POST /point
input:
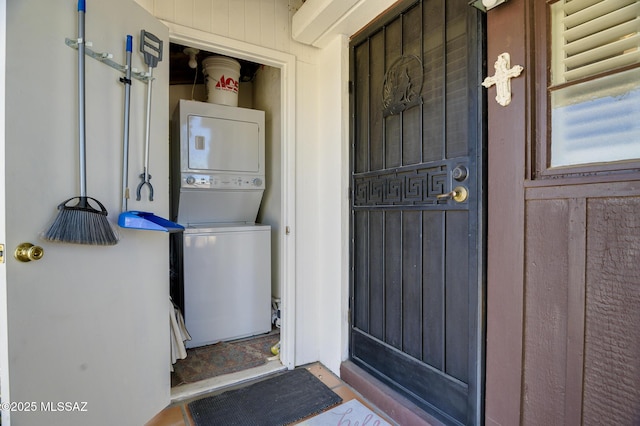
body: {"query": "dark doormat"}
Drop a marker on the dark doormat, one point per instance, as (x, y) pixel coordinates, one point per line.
(280, 400)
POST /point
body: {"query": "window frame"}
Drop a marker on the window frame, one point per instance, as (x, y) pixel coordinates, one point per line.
(540, 151)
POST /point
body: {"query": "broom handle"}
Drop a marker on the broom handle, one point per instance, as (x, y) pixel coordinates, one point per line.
(81, 100)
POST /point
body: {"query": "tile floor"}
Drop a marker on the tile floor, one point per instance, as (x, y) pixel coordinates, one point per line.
(177, 414)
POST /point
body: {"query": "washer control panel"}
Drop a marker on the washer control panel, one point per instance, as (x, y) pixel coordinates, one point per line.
(218, 181)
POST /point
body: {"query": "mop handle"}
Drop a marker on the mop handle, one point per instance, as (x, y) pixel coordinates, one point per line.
(81, 100)
(125, 137)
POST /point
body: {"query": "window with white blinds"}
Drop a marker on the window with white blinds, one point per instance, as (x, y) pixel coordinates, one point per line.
(595, 81)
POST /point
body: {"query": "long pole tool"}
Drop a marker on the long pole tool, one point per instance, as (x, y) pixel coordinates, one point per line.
(126, 80)
(151, 48)
(82, 223)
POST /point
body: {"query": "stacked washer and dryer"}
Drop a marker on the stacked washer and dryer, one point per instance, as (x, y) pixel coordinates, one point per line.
(223, 257)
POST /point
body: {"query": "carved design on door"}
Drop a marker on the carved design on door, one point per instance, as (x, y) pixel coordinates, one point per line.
(402, 85)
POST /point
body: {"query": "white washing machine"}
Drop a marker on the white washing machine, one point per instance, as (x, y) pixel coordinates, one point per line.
(218, 179)
(227, 282)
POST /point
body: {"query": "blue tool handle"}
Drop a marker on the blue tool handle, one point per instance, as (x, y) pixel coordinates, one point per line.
(81, 6)
(129, 43)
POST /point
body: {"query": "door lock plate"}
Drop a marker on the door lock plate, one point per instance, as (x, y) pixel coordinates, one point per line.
(460, 194)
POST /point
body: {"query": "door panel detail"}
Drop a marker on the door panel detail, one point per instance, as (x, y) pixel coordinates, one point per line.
(403, 186)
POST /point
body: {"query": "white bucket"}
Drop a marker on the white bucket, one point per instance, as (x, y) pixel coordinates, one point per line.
(222, 77)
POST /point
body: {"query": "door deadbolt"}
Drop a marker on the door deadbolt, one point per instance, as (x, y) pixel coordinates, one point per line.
(26, 252)
(459, 194)
(460, 173)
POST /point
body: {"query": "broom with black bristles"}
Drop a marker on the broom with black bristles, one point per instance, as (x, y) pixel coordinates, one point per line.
(82, 223)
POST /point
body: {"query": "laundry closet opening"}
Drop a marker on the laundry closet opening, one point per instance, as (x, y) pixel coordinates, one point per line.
(225, 267)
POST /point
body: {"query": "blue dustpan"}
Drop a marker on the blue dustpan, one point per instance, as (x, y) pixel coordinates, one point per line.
(147, 222)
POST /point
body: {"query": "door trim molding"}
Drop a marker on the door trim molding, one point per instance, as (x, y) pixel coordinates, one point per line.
(507, 132)
(287, 65)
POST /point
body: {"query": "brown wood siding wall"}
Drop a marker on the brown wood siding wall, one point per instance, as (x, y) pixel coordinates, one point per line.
(546, 251)
(563, 317)
(582, 306)
(612, 317)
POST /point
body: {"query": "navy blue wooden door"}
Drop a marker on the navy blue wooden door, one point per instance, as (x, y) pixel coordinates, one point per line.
(416, 190)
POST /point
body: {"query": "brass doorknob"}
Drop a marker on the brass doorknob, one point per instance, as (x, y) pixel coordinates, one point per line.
(26, 252)
(459, 194)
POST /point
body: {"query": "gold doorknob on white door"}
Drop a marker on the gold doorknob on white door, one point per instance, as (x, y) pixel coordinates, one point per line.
(26, 252)
(459, 194)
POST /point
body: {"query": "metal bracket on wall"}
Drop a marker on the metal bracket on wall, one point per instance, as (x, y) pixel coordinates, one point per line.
(106, 59)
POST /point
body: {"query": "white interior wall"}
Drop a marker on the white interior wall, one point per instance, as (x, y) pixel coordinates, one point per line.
(185, 91)
(309, 315)
(333, 196)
